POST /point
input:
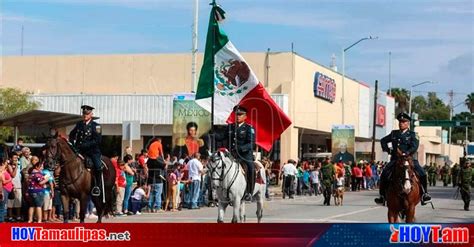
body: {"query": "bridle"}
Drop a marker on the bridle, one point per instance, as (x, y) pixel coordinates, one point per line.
(57, 158)
(53, 157)
(216, 158)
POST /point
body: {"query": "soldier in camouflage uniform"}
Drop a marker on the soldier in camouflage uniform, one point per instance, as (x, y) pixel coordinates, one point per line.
(432, 174)
(454, 174)
(464, 183)
(445, 174)
(329, 174)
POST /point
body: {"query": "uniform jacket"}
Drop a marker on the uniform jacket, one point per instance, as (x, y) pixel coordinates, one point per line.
(407, 142)
(240, 139)
(86, 137)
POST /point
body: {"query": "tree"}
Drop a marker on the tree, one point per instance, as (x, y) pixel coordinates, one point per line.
(435, 109)
(13, 101)
(470, 102)
(402, 98)
(419, 104)
(458, 132)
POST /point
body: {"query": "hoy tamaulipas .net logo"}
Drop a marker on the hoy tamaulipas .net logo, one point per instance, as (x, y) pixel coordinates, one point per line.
(80, 234)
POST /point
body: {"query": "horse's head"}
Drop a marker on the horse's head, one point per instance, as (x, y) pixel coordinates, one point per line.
(53, 152)
(218, 162)
(404, 160)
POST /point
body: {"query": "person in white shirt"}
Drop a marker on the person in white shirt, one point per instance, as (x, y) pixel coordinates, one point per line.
(195, 171)
(137, 199)
(289, 173)
(315, 181)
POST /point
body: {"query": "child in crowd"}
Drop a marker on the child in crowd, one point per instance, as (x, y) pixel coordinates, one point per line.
(172, 187)
(48, 195)
(315, 180)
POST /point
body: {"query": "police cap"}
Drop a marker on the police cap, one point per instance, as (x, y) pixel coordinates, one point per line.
(86, 109)
(403, 117)
(240, 110)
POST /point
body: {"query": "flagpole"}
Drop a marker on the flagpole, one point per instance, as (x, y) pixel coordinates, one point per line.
(213, 137)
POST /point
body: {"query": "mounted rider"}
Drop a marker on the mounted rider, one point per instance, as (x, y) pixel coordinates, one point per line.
(241, 141)
(407, 141)
(86, 137)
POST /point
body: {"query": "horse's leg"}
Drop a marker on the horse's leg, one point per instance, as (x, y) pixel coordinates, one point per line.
(221, 211)
(260, 205)
(236, 210)
(65, 201)
(242, 213)
(410, 214)
(83, 202)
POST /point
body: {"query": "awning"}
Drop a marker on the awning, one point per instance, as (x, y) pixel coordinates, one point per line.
(41, 118)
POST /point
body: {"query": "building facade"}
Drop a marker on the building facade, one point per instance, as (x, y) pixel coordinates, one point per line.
(140, 87)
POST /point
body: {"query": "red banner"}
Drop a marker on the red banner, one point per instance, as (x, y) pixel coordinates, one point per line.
(380, 121)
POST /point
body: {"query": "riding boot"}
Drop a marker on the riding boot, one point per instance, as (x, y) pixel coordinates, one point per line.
(425, 198)
(97, 183)
(250, 185)
(381, 199)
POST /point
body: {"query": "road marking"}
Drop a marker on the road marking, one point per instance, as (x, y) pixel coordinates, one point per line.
(350, 213)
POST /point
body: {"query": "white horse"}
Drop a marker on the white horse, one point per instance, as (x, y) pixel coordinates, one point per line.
(228, 179)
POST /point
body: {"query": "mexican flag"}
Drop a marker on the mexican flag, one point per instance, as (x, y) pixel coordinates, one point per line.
(227, 76)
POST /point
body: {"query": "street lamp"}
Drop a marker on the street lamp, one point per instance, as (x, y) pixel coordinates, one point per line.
(344, 69)
(411, 93)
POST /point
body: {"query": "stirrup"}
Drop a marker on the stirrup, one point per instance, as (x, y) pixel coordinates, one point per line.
(380, 201)
(423, 201)
(248, 197)
(95, 191)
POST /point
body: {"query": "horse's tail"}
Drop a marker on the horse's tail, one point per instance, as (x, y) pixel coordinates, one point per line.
(109, 180)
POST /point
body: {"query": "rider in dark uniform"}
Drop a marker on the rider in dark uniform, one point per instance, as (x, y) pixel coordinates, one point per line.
(241, 140)
(86, 137)
(407, 141)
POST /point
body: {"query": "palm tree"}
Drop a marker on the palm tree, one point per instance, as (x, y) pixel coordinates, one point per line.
(402, 98)
(470, 102)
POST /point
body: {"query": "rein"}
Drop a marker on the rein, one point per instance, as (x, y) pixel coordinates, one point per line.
(58, 159)
(223, 175)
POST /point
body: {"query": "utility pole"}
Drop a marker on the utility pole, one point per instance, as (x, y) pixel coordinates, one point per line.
(390, 73)
(22, 38)
(267, 67)
(195, 46)
(374, 120)
(451, 95)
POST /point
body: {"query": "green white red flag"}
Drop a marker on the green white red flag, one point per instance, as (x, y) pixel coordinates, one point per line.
(226, 76)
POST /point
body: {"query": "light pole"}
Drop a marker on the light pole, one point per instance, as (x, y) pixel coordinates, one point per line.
(451, 108)
(411, 93)
(344, 69)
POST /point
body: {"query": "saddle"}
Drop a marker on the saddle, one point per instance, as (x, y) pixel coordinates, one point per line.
(257, 176)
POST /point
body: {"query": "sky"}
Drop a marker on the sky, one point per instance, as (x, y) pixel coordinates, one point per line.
(429, 40)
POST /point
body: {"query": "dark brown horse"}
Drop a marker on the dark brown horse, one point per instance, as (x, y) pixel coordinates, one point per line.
(76, 180)
(403, 192)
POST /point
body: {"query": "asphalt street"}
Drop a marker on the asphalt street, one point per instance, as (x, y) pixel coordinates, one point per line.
(357, 207)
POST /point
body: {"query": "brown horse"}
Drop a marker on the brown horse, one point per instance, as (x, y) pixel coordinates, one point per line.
(76, 180)
(403, 192)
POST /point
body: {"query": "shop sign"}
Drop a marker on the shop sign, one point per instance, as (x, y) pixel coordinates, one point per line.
(324, 87)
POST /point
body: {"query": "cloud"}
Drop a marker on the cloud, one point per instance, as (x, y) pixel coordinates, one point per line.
(285, 17)
(20, 18)
(451, 9)
(462, 64)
